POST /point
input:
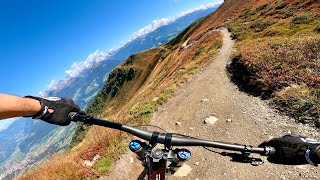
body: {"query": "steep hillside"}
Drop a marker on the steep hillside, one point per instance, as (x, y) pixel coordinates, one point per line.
(278, 51)
(161, 35)
(131, 95)
(279, 55)
(278, 58)
(37, 140)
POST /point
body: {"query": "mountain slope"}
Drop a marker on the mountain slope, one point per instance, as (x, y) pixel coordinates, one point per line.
(36, 140)
(241, 119)
(148, 79)
(161, 35)
(128, 96)
(278, 55)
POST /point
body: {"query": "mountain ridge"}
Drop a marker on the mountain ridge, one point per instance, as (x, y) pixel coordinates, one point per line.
(82, 89)
(150, 78)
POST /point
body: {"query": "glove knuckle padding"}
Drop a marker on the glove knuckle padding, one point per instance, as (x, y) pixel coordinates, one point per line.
(61, 109)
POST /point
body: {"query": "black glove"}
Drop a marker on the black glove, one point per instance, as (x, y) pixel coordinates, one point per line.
(61, 108)
(294, 150)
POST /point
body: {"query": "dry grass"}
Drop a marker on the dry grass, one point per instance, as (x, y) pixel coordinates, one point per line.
(99, 141)
(59, 168)
(281, 59)
(259, 29)
(300, 102)
(278, 63)
(158, 73)
(293, 92)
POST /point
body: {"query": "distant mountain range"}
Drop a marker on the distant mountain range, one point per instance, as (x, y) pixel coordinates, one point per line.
(26, 142)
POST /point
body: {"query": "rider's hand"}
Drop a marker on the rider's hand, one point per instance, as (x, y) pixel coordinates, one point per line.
(294, 150)
(55, 110)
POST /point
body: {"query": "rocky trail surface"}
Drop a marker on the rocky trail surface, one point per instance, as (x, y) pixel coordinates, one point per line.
(239, 118)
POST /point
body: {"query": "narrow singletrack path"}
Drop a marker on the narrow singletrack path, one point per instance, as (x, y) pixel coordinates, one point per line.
(241, 119)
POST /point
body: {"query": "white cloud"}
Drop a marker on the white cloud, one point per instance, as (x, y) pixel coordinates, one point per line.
(164, 21)
(78, 67)
(97, 56)
(4, 124)
(202, 7)
(52, 84)
(42, 94)
(151, 27)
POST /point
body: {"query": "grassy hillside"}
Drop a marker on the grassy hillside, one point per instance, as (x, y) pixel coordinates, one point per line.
(277, 58)
(279, 55)
(131, 95)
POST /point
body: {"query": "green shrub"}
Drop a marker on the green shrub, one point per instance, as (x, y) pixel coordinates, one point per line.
(281, 5)
(303, 19)
(215, 45)
(164, 96)
(291, 10)
(199, 51)
(104, 164)
(237, 29)
(116, 79)
(262, 7)
(300, 102)
(144, 111)
(260, 26)
(246, 13)
(317, 28)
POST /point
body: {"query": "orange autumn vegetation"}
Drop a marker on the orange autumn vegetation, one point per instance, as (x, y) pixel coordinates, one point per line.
(155, 75)
(277, 56)
(279, 53)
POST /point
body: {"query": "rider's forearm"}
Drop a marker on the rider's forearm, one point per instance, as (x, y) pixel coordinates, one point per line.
(14, 106)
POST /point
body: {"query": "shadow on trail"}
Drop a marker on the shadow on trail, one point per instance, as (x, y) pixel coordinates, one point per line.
(246, 80)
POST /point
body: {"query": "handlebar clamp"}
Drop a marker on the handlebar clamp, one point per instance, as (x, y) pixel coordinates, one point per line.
(247, 150)
(72, 116)
(269, 151)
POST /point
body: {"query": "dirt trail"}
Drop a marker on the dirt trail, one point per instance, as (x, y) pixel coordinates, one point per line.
(241, 119)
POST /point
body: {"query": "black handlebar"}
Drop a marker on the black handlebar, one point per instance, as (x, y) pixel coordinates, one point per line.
(170, 139)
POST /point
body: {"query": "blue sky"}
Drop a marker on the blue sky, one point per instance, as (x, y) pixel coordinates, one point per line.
(40, 40)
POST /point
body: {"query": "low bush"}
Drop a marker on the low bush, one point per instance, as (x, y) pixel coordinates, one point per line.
(281, 5)
(198, 53)
(300, 102)
(237, 29)
(246, 13)
(258, 26)
(317, 28)
(144, 111)
(262, 7)
(303, 19)
(287, 69)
